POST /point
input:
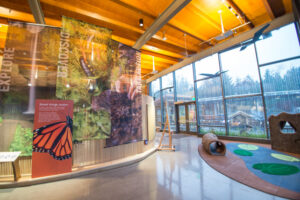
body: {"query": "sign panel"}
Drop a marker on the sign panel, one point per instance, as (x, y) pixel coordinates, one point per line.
(52, 137)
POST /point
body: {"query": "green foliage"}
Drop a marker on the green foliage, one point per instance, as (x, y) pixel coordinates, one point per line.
(1, 119)
(14, 97)
(214, 131)
(88, 124)
(22, 141)
(261, 135)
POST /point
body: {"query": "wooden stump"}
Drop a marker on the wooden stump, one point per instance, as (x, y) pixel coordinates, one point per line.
(212, 145)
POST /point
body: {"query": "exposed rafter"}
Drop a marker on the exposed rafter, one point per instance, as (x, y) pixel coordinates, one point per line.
(274, 8)
(37, 11)
(154, 17)
(269, 9)
(240, 12)
(161, 56)
(171, 11)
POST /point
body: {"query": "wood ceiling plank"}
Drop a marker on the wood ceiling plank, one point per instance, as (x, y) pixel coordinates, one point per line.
(158, 65)
(198, 11)
(240, 12)
(172, 10)
(277, 7)
(157, 60)
(151, 53)
(269, 9)
(141, 13)
(288, 6)
(133, 34)
(119, 31)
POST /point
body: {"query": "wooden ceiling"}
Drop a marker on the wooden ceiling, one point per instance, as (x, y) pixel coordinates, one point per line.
(190, 31)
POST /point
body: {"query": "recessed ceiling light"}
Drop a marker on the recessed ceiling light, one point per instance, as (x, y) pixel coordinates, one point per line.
(141, 22)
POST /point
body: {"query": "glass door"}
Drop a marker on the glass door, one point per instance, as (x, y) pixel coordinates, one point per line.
(186, 116)
(181, 118)
(192, 121)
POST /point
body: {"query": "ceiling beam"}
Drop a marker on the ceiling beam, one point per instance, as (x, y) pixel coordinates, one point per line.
(37, 11)
(274, 8)
(170, 12)
(269, 9)
(240, 12)
(151, 53)
(137, 10)
(158, 66)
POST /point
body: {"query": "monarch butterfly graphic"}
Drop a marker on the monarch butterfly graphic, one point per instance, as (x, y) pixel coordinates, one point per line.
(55, 139)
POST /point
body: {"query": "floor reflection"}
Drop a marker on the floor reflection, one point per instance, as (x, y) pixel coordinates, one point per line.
(164, 175)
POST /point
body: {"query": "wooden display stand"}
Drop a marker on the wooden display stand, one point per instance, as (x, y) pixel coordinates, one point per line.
(13, 158)
(166, 146)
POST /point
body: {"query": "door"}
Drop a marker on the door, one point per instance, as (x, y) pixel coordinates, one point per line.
(181, 118)
(186, 117)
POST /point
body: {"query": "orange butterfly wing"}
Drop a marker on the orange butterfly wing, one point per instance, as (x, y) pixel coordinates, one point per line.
(56, 139)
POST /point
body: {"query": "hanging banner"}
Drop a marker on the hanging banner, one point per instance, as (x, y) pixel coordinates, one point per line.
(124, 97)
(28, 71)
(84, 69)
(52, 137)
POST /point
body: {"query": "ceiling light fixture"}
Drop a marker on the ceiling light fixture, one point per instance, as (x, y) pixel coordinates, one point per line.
(164, 36)
(186, 51)
(141, 22)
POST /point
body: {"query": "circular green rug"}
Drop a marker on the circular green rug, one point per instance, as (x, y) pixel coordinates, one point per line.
(248, 147)
(243, 152)
(284, 157)
(276, 168)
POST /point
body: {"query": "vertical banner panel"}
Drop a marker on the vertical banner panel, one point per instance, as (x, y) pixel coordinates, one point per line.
(28, 72)
(125, 97)
(84, 68)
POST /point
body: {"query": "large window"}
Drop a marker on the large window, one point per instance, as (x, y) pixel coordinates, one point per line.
(282, 43)
(167, 81)
(246, 117)
(208, 65)
(163, 93)
(185, 84)
(245, 113)
(210, 100)
(168, 100)
(155, 92)
(232, 87)
(281, 83)
(240, 75)
(280, 71)
(157, 103)
(155, 86)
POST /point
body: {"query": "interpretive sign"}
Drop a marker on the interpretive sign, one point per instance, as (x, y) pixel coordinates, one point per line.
(52, 137)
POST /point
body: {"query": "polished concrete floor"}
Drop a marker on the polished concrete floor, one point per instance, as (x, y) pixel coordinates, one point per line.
(164, 175)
